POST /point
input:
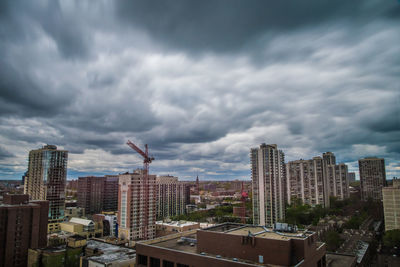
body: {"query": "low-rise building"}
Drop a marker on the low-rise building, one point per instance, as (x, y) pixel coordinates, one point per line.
(234, 245)
(105, 254)
(172, 227)
(82, 227)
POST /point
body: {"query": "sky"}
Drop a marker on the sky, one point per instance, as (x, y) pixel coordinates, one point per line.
(200, 82)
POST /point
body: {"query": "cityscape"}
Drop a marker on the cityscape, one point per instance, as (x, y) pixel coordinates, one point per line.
(188, 134)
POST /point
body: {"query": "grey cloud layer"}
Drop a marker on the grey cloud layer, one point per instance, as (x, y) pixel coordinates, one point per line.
(199, 82)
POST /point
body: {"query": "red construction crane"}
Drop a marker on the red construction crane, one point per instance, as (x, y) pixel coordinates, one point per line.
(146, 161)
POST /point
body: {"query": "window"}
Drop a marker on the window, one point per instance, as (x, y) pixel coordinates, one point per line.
(142, 260)
(182, 265)
(167, 263)
(154, 262)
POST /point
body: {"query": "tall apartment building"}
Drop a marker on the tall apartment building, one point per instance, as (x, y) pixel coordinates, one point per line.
(97, 194)
(337, 181)
(172, 196)
(46, 180)
(136, 212)
(391, 205)
(306, 181)
(23, 225)
(329, 158)
(372, 178)
(268, 184)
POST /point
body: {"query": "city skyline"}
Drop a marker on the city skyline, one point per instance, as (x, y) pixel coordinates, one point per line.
(202, 87)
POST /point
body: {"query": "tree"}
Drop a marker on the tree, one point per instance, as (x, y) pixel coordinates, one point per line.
(392, 238)
(333, 240)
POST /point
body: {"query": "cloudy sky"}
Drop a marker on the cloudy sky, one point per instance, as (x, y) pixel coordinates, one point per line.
(201, 82)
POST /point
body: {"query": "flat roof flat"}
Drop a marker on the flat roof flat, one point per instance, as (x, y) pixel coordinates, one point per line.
(258, 231)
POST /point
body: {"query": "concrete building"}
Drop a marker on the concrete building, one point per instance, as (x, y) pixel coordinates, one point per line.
(172, 196)
(372, 178)
(233, 245)
(306, 181)
(109, 222)
(82, 227)
(337, 181)
(97, 194)
(23, 225)
(268, 184)
(47, 173)
(351, 177)
(329, 158)
(136, 212)
(391, 205)
(74, 212)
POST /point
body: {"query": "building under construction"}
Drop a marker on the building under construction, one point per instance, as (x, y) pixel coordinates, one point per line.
(47, 174)
(137, 206)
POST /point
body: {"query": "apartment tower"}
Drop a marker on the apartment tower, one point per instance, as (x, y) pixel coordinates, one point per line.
(23, 225)
(172, 196)
(136, 206)
(268, 184)
(46, 180)
(97, 194)
(337, 181)
(306, 182)
(372, 178)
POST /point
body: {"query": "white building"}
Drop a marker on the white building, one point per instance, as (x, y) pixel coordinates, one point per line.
(268, 184)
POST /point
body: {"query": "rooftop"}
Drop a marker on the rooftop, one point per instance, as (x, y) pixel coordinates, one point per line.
(259, 231)
(177, 223)
(111, 253)
(339, 260)
(81, 221)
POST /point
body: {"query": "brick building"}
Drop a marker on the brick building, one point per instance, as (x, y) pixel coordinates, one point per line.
(23, 225)
(97, 194)
(232, 245)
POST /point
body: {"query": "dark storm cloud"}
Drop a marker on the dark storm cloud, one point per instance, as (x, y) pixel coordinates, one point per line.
(21, 20)
(227, 25)
(20, 94)
(5, 154)
(199, 81)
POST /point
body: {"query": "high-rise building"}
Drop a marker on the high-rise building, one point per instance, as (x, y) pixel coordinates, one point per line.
(171, 196)
(306, 181)
(97, 194)
(23, 225)
(372, 178)
(391, 205)
(47, 173)
(268, 184)
(136, 206)
(329, 158)
(337, 181)
(351, 177)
